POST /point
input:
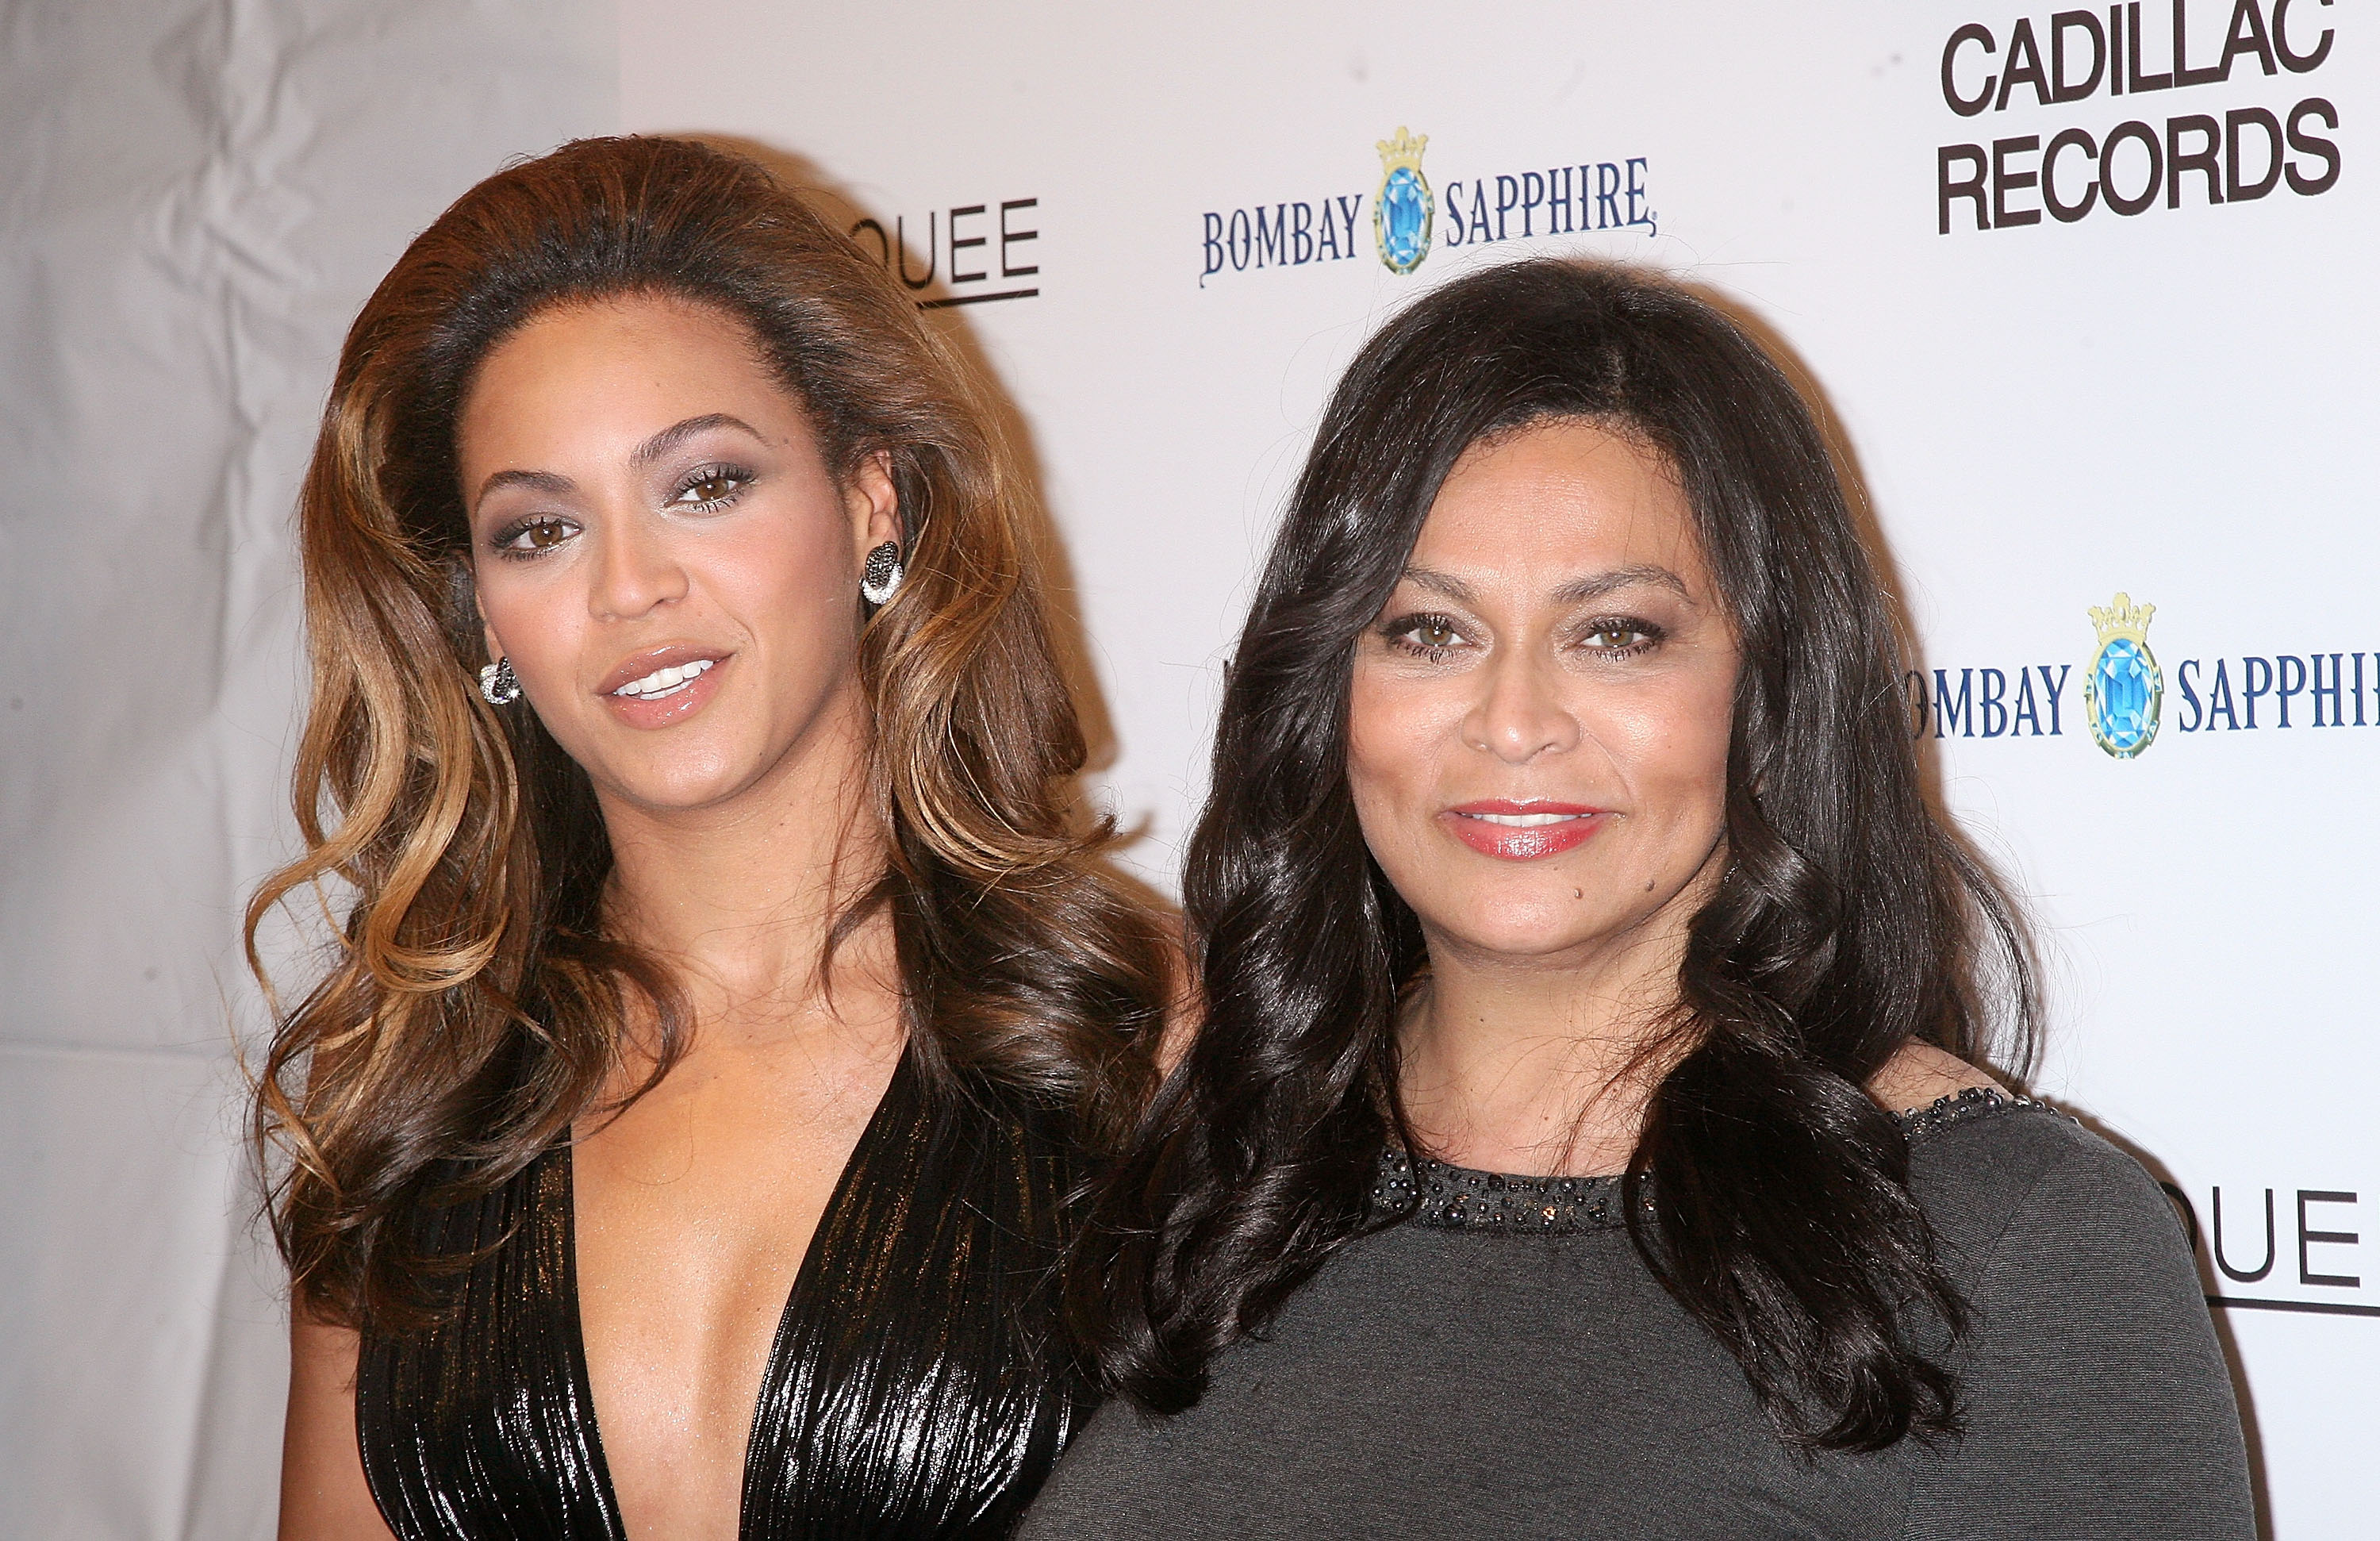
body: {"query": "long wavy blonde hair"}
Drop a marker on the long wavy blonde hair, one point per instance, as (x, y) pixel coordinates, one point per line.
(473, 1008)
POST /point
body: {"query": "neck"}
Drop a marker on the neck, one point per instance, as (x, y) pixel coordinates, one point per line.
(738, 898)
(1542, 1065)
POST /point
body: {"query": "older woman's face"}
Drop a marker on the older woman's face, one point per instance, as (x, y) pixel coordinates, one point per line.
(661, 550)
(1539, 724)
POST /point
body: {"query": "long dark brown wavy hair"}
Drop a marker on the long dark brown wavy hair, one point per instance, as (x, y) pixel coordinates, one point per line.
(475, 1005)
(1847, 923)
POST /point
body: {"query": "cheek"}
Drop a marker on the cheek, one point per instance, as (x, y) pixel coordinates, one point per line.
(535, 616)
(776, 566)
(786, 575)
(1376, 747)
(1396, 738)
(1679, 742)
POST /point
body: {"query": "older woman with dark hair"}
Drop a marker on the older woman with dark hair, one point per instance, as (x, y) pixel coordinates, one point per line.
(1583, 1138)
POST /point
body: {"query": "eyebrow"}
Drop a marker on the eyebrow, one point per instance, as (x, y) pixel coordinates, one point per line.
(557, 485)
(671, 438)
(1444, 584)
(1580, 590)
(1577, 591)
(541, 482)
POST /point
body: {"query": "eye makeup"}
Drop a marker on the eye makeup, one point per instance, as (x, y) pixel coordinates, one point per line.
(1430, 634)
(1433, 635)
(1642, 636)
(730, 482)
(533, 535)
(543, 533)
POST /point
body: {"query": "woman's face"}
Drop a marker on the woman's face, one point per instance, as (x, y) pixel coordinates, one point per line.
(1539, 722)
(661, 550)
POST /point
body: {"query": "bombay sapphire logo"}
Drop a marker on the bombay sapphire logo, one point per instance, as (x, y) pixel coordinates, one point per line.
(2124, 687)
(1403, 210)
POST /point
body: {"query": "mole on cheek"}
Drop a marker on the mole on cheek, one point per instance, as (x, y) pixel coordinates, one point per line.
(1578, 893)
(1648, 885)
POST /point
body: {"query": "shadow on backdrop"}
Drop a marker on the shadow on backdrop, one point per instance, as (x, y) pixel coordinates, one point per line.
(1069, 638)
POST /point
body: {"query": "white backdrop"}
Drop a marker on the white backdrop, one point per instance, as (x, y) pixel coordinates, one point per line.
(2170, 403)
(2174, 404)
(195, 200)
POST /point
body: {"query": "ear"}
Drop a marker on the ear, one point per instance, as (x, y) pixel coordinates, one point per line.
(487, 630)
(874, 505)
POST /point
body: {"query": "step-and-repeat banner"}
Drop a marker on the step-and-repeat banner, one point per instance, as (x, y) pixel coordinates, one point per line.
(2089, 292)
(2086, 294)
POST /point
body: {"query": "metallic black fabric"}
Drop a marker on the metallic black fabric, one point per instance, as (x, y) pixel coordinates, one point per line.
(914, 1388)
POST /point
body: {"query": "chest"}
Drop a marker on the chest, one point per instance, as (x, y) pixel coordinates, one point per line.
(1477, 1386)
(691, 1215)
(906, 1383)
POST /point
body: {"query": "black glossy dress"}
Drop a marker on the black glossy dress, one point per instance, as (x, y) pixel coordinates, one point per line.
(914, 1388)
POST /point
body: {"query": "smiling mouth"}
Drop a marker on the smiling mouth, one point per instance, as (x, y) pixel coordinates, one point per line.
(1522, 831)
(665, 682)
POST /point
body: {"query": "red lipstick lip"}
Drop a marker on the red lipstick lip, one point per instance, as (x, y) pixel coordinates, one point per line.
(1522, 842)
(636, 666)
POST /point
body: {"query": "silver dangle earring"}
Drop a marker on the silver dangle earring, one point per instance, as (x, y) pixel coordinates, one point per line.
(883, 575)
(498, 684)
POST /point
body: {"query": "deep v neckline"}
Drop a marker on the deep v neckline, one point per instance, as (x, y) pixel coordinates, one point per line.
(782, 1343)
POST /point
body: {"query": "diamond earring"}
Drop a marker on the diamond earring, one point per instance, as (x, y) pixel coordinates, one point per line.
(498, 684)
(883, 575)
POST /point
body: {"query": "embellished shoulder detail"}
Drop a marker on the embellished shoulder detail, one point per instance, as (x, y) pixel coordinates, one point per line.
(1963, 1107)
(1428, 1191)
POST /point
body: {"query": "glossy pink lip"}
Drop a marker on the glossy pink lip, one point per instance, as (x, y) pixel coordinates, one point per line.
(678, 705)
(1473, 824)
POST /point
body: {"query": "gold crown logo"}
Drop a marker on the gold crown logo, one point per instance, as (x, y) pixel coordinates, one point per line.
(1404, 150)
(2122, 618)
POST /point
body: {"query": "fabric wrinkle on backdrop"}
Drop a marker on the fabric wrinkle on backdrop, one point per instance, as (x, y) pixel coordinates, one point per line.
(197, 198)
(2124, 448)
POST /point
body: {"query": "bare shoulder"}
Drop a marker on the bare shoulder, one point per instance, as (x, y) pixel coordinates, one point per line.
(1185, 1003)
(1182, 1014)
(1920, 1073)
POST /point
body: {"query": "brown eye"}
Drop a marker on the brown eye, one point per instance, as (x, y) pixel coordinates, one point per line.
(535, 537)
(709, 488)
(1424, 635)
(1618, 637)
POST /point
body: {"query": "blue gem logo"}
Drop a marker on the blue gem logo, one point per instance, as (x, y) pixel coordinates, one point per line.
(2123, 687)
(1404, 209)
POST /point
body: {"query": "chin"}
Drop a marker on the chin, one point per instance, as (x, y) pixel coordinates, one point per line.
(1523, 944)
(1525, 926)
(678, 783)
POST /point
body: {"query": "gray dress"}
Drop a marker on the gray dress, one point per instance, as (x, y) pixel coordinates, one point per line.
(1502, 1364)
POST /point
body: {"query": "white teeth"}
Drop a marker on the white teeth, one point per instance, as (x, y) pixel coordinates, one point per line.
(664, 682)
(1526, 821)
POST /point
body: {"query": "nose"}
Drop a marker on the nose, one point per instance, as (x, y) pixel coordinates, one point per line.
(1520, 713)
(636, 571)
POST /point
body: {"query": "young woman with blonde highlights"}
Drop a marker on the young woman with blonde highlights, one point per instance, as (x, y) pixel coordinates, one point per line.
(728, 994)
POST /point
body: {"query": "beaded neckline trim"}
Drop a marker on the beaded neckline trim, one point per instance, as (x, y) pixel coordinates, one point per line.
(1457, 1198)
